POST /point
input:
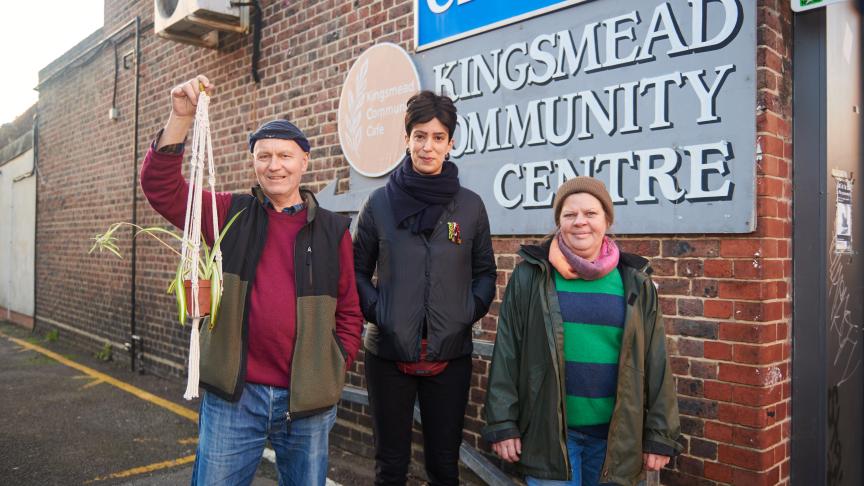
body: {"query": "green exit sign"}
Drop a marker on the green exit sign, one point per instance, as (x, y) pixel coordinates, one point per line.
(802, 5)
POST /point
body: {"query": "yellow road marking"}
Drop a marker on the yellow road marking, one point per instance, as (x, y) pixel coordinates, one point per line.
(144, 395)
(191, 440)
(92, 384)
(98, 378)
(145, 469)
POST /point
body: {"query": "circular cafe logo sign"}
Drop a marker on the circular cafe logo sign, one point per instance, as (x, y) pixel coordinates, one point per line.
(372, 109)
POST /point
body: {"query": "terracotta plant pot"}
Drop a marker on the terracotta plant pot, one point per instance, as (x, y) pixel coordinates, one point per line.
(203, 298)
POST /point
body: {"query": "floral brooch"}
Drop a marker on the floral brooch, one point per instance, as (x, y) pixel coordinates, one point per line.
(454, 234)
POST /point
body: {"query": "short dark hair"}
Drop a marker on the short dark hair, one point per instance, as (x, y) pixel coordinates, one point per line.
(426, 105)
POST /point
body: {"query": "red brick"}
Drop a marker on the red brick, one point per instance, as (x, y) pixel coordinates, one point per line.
(690, 268)
(757, 354)
(690, 248)
(753, 478)
(740, 248)
(719, 432)
(718, 472)
(743, 415)
(747, 269)
(746, 458)
(663, 267)
(672, 286)
(748, 333)
(703, 369)
(717, 390)
(717, 350)
(766, 206)
(721, 309)
(717, 268)
(696, 407)
(740, 290)
(689, 465)
(773, 228)
(668, 306)
(644, 248)
(692, 426)
(756, 438)
(748, 375)
(704, 288)
(680, 366)
(689, 387)
(689, 347)
(758, 311)
(703, 448)
(756, 395)
(689, 307)
(777, 289)
(692, 328)
(771, 145)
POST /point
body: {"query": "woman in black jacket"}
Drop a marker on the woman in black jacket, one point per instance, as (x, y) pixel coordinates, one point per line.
(429, 238)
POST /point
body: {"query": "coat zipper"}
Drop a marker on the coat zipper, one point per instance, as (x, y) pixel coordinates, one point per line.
(309, 255)
(297, 281)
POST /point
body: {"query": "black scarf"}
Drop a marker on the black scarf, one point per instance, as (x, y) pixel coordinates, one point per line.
(425, 196)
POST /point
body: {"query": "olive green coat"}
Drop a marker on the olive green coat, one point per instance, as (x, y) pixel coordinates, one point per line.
(525, 397)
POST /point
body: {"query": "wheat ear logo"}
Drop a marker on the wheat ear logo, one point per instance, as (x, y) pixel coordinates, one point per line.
(355, 100)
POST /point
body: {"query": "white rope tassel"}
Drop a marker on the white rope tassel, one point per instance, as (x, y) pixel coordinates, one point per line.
(201, 149)
(194, 362)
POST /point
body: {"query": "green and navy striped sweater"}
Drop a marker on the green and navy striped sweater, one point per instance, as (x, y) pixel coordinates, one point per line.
(593, 314)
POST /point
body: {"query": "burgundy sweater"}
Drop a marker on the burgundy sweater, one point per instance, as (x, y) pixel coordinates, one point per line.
(273, 301)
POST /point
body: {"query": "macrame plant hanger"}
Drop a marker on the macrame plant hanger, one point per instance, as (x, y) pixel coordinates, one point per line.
(202, 149)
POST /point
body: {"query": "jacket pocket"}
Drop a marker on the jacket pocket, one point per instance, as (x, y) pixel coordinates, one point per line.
(222, 347)
(318, 364)
(340, 346)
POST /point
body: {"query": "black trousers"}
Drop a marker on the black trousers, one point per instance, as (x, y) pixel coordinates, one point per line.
(442, 409)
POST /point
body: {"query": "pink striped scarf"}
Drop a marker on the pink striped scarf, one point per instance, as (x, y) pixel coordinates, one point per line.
(570, 265)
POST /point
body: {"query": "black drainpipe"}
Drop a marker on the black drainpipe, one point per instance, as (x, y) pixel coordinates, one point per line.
(35, 212)
(134, 338)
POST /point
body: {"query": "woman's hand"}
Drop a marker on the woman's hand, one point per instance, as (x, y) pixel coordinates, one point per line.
(508, 449)
(654, 462)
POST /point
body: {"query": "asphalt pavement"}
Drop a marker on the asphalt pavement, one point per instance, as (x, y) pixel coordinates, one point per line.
(67, 418)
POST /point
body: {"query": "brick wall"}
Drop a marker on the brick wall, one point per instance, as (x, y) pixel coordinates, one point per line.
(726, 298)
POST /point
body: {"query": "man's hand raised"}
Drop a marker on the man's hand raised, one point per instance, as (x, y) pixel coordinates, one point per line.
(184, 102)
(184, 97)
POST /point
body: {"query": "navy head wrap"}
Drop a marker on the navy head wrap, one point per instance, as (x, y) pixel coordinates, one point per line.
(279, 129)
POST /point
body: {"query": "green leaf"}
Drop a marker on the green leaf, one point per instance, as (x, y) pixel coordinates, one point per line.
(180, 294)
(222, 235)
(215, 297)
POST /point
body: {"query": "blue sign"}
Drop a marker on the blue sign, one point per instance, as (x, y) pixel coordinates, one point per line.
(441, 21)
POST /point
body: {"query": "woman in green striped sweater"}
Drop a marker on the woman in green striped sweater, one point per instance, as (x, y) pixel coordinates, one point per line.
(580, 390)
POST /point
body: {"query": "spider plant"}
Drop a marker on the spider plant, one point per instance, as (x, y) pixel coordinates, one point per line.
(208, 269)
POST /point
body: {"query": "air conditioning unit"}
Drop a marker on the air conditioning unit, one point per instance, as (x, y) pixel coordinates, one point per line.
(199, 22)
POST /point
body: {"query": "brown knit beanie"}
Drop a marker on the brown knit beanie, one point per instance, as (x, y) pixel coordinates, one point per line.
(584, 184)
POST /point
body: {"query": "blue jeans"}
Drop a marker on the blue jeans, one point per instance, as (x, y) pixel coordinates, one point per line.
(586, 459)
(231, 439)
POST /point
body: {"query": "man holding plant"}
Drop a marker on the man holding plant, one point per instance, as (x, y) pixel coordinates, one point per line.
(273, 367)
